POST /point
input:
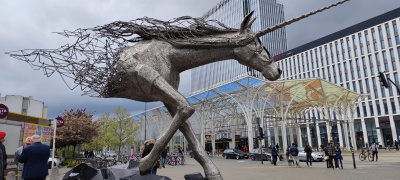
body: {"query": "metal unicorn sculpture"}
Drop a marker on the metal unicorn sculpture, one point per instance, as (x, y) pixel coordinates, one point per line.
(104, 64)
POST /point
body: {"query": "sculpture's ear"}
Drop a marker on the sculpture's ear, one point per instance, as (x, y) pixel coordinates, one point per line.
(245, 22)
(251, 23)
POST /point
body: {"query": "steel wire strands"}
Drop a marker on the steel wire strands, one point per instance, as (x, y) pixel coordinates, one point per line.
(91, 60)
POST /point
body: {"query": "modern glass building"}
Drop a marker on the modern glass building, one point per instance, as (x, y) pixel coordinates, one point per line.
(353, 58)
(231, 13)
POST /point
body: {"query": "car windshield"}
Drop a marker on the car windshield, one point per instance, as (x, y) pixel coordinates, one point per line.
(301, 149)
(238, 151)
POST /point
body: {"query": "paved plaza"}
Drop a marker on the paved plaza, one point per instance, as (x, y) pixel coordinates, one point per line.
(387, 168)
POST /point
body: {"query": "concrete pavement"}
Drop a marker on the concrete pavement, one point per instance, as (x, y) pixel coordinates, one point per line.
(387, 168)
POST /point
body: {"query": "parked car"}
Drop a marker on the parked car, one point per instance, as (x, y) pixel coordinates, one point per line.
(255, 154)
(56, 161)
(315, 156)
(234, 153)
(111, 154)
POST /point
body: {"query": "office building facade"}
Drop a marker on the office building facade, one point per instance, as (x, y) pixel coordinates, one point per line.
(231, 13)
(353, 58)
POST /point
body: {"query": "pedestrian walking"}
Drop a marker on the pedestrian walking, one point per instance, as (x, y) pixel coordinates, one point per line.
(374, 148)
(289, 159)
(330, 151)
(277, 147)
(35, 159)
(294, 152)
(274, 154)
(339, 157)
(3, 155)
(308, 150)
(18, 152)
(148, 146)
(396, 145)
(164, 154)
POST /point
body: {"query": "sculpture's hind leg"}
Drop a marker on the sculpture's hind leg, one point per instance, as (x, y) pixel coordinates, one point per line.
(210, 170)
(163, 91)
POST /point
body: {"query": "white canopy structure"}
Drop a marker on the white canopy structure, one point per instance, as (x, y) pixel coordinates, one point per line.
(229, 111)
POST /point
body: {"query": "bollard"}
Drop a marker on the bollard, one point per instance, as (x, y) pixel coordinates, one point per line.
(11, 176)
(55, 175)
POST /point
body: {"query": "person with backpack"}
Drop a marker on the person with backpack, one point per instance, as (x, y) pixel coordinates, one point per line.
(374, 149)
(294, 152)
(308, 151)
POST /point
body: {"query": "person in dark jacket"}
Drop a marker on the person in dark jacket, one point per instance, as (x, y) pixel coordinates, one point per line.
(294, 152)
(274, 154)
(330, 151)
(35, 159)
(308, 151)
(148, 146)
(3, 155)
(338, 157)
(164, 157)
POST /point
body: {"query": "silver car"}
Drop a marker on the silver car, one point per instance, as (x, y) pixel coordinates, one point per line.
(315, 156)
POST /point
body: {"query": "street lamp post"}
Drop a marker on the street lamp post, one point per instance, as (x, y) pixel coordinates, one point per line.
(145, 121)
(351, 147)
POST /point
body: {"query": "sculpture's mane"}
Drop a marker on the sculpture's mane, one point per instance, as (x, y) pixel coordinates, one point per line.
(184, 27)
(90, 61)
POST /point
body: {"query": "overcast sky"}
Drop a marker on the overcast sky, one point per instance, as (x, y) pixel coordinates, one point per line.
(27, 24)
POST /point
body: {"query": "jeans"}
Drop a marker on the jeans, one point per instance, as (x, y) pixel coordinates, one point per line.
(19, 175)
(163, 161)
(154, 170)
(309, 159)
(296, 161)
(337, 163)
(330, 162)
(374, 153)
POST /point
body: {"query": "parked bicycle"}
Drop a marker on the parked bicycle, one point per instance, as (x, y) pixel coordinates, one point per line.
(364, 154)
(174, 160)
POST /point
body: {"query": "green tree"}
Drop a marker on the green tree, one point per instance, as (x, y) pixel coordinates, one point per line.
(118, 131)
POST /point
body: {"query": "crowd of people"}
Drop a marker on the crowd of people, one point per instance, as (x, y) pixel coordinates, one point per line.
(31, 159)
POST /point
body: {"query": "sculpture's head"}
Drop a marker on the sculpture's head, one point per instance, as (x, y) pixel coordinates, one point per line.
(254, 54)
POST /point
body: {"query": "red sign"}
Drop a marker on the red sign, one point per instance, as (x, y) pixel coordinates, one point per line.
(3, 111)
(60, 122)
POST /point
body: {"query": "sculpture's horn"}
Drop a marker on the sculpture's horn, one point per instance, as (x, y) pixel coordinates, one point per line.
(273, 28)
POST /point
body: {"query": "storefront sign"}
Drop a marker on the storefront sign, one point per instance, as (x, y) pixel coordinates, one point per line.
(3, 111)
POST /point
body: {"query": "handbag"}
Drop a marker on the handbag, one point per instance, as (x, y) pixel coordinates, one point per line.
(326, 158)
(159, 165)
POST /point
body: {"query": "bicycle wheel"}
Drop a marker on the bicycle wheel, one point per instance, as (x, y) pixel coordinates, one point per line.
(370, 157)
(362, 157)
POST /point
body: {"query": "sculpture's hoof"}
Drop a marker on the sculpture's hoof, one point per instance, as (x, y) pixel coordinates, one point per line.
(214, 177)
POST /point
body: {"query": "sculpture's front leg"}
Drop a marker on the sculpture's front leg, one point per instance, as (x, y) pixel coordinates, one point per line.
(210, 170)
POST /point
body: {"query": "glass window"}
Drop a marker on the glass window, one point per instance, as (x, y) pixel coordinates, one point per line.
(383, 92)
(365, 110)
(369, 48)
(373, 34)
(393, 107)
(397, 40)
(382, 45)
(394, 65)
(378, 108)
(390, 42)
(354, 86)
(387, 30)
(394, 26)
(367, 84)
(365, 72)
(371, 109)
(360, 85)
